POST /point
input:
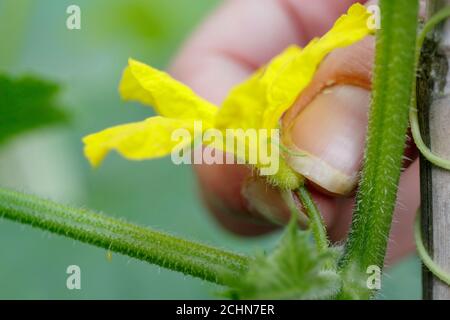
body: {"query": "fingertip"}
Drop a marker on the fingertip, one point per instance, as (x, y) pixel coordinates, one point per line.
(328, 122)
(220, 191)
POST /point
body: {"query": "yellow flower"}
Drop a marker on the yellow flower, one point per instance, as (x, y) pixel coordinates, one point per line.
(257, 103)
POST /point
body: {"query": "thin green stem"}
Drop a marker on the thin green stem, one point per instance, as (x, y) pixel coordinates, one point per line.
(290, 201)
(287, 150)
(426, 152)
(388, 122)
(191, 258)
(316, 222)
(423, 254)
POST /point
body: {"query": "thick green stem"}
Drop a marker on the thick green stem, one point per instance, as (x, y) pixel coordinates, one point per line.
(167, 251)
(388, 122)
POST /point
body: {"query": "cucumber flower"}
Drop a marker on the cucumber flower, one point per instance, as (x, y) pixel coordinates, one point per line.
(257, 103)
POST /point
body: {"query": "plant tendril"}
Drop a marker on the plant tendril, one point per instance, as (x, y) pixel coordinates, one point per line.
(425, 150)
(415, 128)
(425, 257)
(287, 150)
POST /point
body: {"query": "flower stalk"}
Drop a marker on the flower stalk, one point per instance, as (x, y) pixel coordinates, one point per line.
(317, 224)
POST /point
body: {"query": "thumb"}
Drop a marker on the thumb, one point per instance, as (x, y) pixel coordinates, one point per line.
(328, 122)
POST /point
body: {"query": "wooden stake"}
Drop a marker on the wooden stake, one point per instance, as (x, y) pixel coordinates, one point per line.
(434, 111)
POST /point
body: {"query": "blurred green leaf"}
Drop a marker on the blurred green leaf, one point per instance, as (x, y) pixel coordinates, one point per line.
(294, 270)
(138, 18)
(27, 103)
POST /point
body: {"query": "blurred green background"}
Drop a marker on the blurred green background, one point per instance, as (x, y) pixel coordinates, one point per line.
(49, 162)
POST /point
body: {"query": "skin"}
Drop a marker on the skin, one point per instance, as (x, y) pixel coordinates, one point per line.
(329, 119)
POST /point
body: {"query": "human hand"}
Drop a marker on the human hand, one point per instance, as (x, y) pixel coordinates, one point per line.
(328, 121)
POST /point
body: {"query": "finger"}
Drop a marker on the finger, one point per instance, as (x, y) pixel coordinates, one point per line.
(231, 216)
(243, 35)
(248, 203)
(237, 38)
(328, 123)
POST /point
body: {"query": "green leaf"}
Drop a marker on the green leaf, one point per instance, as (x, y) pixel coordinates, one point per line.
(27, 103)
(294, 270)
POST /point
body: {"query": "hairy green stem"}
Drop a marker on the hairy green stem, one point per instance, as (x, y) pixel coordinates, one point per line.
(290, 201)
(388, 122)
(191, 258)
(316, 222)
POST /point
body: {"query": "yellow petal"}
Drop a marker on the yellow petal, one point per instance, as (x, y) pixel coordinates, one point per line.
(169, 97)
(151, 138)
(285, 87)
(261, 101)
(245, 105)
